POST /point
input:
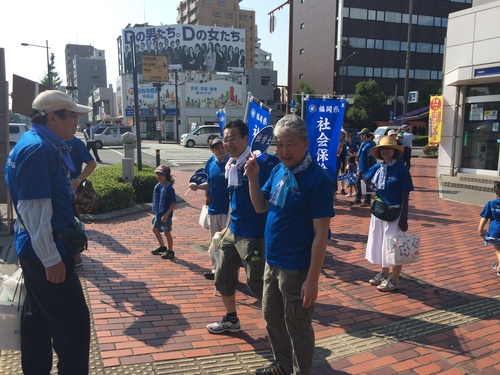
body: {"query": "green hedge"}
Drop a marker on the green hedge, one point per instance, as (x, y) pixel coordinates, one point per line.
(421, 140)
(115, 194)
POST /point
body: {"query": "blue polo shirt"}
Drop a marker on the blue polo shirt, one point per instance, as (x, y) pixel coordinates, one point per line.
(398, 181)
(34, 171)
(79, 155)
(364, 154)
(289, 230)
(245, 222)
(219, 196)
(491, 211)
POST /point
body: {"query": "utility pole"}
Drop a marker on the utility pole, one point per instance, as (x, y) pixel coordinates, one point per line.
(408, 53)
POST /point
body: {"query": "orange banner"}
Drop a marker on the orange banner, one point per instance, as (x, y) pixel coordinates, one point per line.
(435, 119)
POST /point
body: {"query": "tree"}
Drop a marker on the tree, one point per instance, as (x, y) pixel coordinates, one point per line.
(425, 92)
(305, 89)
(54, 75)
(367, 98)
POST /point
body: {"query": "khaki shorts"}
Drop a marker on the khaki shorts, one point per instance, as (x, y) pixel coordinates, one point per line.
(236, 250)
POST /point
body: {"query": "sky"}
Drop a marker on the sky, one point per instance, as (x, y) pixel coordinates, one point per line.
(99, 23)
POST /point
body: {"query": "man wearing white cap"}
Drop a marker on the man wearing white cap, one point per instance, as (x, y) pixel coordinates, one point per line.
(55, 315)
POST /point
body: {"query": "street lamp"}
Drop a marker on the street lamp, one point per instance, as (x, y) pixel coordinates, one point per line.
(46, 46)
(341, 68)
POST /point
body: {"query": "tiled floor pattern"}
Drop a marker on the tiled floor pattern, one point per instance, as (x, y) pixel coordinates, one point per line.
(150, 314)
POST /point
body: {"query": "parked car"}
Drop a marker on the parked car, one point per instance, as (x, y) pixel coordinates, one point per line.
(112, 135)
(382, 131)
(15, 132)
(199, 135)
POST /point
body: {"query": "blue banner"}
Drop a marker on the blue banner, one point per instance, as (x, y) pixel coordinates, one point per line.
(324, 118)
(221, 117)
(258, 118)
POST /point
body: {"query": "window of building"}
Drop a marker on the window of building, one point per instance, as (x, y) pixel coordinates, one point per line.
(301, 76)
(379, 44)
(391, 45)
(380, 15)
(243, 16)
(356, 71)
(359, 14)
(265, 81)
(426, 20)
(301, 51)
(217, 13)
(444, 22)
(377, 72)
(372, 15)
(369, 71)
(207, 1)
(424, 47)
(370, 43)
(217, 24)
(357, 42)
(221, 3)
(422, 74)
(393, 17)
(390, 72)
(302, 25)
(229, 14)
(437, 21)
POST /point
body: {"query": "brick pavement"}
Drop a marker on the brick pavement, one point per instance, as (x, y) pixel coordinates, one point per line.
(150, 311)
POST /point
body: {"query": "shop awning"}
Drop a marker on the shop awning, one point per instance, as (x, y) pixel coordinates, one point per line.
(413, 115)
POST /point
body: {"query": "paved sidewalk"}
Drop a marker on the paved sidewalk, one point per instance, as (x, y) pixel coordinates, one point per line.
(149, 315)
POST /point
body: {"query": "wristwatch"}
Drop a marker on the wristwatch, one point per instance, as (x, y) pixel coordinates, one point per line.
(78, 179)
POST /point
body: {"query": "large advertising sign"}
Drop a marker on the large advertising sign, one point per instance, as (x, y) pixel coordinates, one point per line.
(195, 90)
(188, 47)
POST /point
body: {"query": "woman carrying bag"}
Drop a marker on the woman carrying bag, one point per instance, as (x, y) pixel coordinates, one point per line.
(389, 216)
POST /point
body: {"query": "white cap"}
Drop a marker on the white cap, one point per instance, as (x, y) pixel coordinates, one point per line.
(54, 100)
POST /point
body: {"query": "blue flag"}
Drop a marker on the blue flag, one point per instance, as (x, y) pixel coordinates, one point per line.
(258, 118)
(221, 117)
(324, 118)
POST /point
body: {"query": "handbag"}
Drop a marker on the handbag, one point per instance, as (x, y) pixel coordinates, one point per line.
(384, 211)
(403, 250)
(204, 217)
(76, 239)
(10, 314)
(87, 200)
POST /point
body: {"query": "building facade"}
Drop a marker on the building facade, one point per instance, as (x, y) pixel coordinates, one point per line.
(471, 92)
(340, 43)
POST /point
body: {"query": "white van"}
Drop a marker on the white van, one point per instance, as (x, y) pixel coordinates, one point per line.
(15, 132)
(382, 131)
(112, 136)
(199, 136)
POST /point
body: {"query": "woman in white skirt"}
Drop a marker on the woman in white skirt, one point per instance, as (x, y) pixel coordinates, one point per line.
(393, 183)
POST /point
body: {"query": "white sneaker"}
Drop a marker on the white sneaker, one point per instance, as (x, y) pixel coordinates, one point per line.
(377, 279)
(224, 326)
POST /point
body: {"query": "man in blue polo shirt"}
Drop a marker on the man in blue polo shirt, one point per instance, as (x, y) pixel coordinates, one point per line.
(243, 240)
(218, 196)
(37, 173)
(365, 161)
(299, 200)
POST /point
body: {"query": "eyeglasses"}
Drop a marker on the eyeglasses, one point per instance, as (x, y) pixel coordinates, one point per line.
(230, 139)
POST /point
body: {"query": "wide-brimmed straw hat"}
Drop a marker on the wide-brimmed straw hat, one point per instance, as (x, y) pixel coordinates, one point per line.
(386, 142)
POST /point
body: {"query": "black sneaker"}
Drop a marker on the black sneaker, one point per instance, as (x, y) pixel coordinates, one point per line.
(274, 369)
(169, 254)
(343, 192)
(158, 251)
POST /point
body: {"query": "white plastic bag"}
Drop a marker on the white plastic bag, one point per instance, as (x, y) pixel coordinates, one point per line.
(12, 288)
(12, 293)
(204, 217)
(214, 248)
